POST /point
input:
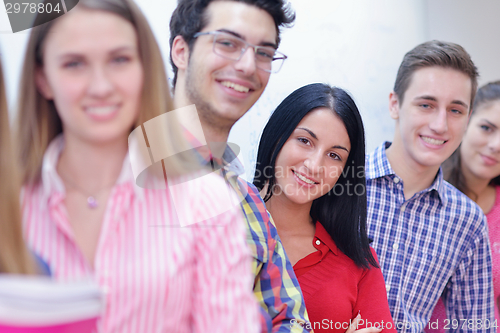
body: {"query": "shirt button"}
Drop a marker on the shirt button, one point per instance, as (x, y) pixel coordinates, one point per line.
(396, 180)
(395, 246)
(387, 287)
(318, 242)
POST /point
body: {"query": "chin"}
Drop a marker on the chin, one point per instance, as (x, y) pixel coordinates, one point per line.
(233, 112)
(103, 138)
(432, 159)
(301, 200)
(485, 173)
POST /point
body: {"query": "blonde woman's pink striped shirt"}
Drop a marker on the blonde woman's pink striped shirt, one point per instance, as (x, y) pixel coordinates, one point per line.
(156, 275)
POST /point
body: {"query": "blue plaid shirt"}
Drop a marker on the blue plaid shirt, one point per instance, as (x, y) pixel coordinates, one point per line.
(434, 243)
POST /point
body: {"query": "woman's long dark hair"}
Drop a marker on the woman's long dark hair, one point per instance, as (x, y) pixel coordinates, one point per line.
(452, 167)
(343, 215)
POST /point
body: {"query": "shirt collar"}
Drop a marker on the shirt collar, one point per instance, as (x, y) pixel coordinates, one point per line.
(378, 166)
(438, 186)
(377, 163)
(52, 182)
(231, 161)
(325, 238)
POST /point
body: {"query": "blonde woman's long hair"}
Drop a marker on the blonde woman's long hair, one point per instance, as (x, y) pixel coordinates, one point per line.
(14, 257)
(38, 122)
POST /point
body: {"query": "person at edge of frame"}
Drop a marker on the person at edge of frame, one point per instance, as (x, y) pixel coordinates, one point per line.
(429, 237)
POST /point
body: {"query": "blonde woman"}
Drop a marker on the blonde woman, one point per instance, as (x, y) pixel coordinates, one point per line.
(90, 77)
(14, 257)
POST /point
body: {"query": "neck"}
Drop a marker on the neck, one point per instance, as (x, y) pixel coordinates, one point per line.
(476, 186)
(415, 177)
(479, 190)
(92, 166)
(290, 218)
(215, 136)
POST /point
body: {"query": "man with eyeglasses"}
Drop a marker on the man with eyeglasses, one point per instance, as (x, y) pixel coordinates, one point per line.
(222, 54)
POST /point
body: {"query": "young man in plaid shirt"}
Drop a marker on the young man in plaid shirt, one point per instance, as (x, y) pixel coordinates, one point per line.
(223, 53)
(431, 240)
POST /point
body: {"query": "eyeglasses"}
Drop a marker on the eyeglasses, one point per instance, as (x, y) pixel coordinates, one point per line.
(233, 48)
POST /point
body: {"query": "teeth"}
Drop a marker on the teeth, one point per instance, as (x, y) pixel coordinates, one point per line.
(101, 110)
(433, 141)
(235, 86)
(304, 179)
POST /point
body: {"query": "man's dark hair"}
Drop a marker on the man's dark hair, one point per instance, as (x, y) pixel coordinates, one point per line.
(190, 17)
(435, 54)
(343, 215)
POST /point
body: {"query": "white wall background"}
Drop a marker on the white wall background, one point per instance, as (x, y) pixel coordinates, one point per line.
(473, 24)
(353, 44)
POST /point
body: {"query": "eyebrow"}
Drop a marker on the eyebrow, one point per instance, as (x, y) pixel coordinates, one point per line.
(314, 136)
(432, 98)
(489, 123)
(235, 34)
(79, 55)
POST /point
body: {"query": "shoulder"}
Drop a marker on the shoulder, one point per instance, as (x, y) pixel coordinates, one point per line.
(200, 184)
(461, 209)
(252, 201)
(373, 275)
(374, 254)
(370, 163)
(201, 198)
(377, 165)
(34, 198)
(260, 226)
(493, 215)
(459, 203)
(250, 189)
(344, 261)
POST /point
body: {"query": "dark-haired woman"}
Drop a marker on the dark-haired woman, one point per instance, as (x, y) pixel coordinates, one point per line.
(474, 168)
(310, 173)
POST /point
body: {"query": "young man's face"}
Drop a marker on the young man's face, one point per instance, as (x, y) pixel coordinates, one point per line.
(433, 116)
(223, 89)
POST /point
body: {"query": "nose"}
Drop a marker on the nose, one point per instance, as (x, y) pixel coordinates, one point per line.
(494, 142)
(247, 63)
(314, 162)
(439, 123)
(100, 84)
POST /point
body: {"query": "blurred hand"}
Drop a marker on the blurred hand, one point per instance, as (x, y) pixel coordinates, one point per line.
(354, 324)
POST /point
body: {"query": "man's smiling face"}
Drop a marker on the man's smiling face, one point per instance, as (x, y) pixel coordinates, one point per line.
(433, 115)
(223, 90)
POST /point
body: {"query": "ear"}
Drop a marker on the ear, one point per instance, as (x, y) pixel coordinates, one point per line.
(42, 84)
(393, 105)
(180, 52)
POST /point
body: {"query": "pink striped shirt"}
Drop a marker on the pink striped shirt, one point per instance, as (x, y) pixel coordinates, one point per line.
(156, 275)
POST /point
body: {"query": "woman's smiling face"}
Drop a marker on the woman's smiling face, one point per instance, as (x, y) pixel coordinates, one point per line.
(93, 73)
(480, 149)
(313, 158)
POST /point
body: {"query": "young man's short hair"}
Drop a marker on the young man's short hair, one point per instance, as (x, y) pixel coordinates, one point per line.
(435, 53)
(190, 17)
